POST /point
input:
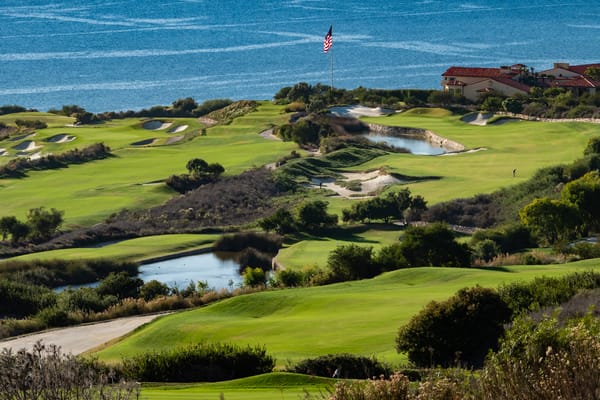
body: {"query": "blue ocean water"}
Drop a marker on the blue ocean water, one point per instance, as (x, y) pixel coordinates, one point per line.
(131, 54)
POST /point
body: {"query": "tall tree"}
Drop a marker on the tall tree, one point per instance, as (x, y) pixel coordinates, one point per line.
(551, 220)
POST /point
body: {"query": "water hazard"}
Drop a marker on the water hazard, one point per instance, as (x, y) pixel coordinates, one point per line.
(415, 146)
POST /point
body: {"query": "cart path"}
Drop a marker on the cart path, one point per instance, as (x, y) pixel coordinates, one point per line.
(78, 339)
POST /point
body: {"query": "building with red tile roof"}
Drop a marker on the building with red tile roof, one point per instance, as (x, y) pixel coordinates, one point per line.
(471, 82)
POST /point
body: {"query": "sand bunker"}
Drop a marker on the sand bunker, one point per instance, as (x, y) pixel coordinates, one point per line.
(174, 139)
(36, 156)
(477, 118)
(360, 111)
(268, 134)
(61, 138)
(144, 142)
(3, 152)
(178, 129)
(27, 145)
(156, 125)
(21, 137)
(370, 183)
(453, 153)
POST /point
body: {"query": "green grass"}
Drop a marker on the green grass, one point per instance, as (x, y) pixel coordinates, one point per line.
(360, 317)
(90, 192)
(315, 251)
(131, 250)
(526, 146)
(278, 386)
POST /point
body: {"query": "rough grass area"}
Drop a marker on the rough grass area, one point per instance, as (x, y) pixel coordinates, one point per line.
(360, 317)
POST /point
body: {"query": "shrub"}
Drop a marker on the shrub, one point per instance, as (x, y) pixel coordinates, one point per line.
(461, 329)
(254, 277)
(21, 299)
(351, 262)
(545, 291)
(433, 245)
(45, 373)
(545, 361)
(202, 362)
(348, 366)
(486, 250)
(266, 243)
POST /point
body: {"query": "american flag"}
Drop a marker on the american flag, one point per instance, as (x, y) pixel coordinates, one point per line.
(328, 42)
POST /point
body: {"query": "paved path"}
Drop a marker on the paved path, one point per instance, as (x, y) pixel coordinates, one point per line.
(78, 339)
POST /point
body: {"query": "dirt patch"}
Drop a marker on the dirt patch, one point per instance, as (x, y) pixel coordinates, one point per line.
(178, 129)
(208, 122)
(156, 125)
(61, 138)
(370, 182)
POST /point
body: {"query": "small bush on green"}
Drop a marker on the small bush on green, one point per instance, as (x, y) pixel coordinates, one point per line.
(348, 366)
(254, 277)
(202, 362)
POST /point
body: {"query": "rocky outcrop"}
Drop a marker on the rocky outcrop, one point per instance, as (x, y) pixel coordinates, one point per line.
(415, 133)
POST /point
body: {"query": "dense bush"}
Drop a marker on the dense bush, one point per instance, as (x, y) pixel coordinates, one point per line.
(46, 373)
(433, 245)
(545, 361)
(460, 330)
(391, 206)
(508, 238)
(202, 362)
(265, 243)
(348, 366)
(30, 124)
(351, 262)
(545, 291)
(54, 273)
(17, 168)
(22, 299)
(254, 277)
(313, 216)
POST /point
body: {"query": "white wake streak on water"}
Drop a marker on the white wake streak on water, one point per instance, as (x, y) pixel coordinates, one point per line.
(145, 53)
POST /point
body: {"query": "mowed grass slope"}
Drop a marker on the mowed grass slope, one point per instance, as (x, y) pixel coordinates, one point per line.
(268, 386)
(90, 192)
(360, 317)
(137, 249)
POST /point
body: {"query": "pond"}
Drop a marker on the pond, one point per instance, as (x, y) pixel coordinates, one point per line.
(415, 146)
(218, 270)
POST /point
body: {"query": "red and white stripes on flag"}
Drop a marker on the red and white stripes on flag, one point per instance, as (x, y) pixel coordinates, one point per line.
(328, 42)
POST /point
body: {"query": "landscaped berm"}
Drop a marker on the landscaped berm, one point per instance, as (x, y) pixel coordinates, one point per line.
(366, 271)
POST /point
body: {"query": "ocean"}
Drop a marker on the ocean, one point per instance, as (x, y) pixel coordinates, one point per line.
(130, 54)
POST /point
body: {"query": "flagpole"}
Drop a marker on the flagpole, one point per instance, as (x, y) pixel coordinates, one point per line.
(331, 87)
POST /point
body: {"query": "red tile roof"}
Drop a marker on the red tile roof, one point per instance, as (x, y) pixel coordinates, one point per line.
(580, 69)
(513, 83)
(479, 72)
(576, 81)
